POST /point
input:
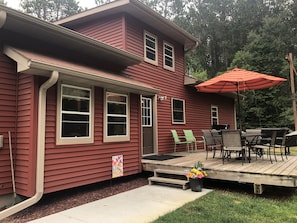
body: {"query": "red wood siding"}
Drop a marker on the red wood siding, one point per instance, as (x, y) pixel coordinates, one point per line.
(75, 165)
(107, 30)
(171, 84)
(7, 119)
(17, 106)
(26, 135)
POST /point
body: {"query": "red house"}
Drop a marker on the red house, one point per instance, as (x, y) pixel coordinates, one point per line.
(106, 83)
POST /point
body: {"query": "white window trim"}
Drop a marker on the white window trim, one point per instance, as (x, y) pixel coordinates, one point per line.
(184, 111)
(154, 62)
(164, 55)
(74, 140)
(149, 116)
(212, 117)
(119, 138)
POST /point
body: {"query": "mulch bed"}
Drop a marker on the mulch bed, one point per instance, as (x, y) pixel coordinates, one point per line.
(60, 201)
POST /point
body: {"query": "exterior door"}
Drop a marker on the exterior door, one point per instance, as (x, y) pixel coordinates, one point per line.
(147, 126)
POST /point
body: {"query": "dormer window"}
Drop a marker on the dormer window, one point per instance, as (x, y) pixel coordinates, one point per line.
(150, 48)
(168, 56)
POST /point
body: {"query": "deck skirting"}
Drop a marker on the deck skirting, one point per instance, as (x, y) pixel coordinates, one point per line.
(259, 172)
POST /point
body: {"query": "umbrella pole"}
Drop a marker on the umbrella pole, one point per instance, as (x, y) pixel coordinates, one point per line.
(293, 95)
(238, 108)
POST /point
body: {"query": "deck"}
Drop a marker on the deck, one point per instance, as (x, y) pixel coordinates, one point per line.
(258, 172)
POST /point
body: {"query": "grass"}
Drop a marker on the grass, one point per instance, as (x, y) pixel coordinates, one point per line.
(222, 206)
(293, 150)
(276, 205)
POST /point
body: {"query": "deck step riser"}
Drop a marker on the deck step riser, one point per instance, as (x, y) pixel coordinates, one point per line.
(170, 177)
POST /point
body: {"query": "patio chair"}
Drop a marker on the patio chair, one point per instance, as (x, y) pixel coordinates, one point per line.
(269, 143)
(281, 142)
(232, 143)
(189, 136)
(212, 141)
(177, 140)
(253, 137)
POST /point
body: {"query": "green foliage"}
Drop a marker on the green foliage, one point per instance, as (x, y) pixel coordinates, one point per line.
(264, 52)
(50, 10)
(242, 59)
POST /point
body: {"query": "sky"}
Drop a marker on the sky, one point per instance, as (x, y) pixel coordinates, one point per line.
(83, 3)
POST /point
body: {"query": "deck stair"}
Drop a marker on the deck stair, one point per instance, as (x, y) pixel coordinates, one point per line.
(170, 177)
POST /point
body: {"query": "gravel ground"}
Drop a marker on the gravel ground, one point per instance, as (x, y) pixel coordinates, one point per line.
(59, 201)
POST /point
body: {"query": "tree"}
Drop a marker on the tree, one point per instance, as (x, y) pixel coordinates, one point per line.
(2, 2)
(265, 53)
(50, 10)
(101, 2)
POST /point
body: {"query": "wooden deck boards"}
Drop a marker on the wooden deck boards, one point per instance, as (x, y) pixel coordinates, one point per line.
(260, 171)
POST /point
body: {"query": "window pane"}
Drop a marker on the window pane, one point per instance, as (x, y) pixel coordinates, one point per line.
(178, 105)
(150, 42)
(150, 54)
(72, 129)
(146, 112)
(178, 110)
(113, 119)
(178, 117)
(74, 92)
(116, 129)
(150, 48)
(116, 126)
(116, 108)
(168, 62)
(75, 104)
(214, 115)
(75, 111)
(75, 118)
(116, 114)
(168, 52)
(168, 56)
(116, 98)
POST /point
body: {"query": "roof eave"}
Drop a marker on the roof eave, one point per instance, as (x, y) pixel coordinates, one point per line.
(30, 65)
(21, 23)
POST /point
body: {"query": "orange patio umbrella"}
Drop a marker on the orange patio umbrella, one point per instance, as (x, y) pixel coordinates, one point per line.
(237, 80)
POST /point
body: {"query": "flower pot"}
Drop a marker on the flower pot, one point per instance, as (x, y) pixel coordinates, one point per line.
(196, 184)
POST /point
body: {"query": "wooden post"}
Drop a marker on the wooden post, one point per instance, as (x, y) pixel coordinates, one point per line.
(289, 57)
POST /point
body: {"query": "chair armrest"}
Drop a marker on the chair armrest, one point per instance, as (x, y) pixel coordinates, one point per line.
(200, 138)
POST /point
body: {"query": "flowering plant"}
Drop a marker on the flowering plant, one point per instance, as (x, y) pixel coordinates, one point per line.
(197, 171)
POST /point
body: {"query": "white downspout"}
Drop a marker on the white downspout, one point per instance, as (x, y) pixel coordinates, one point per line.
(40, 150)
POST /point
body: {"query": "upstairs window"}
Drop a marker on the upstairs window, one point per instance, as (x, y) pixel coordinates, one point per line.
(75, 115)
(178, 111)
(168, 56)
(150, 48)
(214, 115)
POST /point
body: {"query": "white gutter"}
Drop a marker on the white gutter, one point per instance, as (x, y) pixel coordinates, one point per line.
(40, 150)
(3, 17)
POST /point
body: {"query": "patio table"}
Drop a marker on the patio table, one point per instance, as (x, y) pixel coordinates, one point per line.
(249, 139)
(291, 140)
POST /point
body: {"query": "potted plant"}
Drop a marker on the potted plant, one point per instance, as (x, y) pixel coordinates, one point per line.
(196, 176)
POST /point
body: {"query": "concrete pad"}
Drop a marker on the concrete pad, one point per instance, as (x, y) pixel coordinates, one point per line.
(143, 204)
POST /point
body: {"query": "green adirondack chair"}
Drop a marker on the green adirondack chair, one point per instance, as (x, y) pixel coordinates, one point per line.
(178, 141)
(190, 138)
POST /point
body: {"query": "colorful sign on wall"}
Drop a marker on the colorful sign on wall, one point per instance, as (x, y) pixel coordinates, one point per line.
(117, 166)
